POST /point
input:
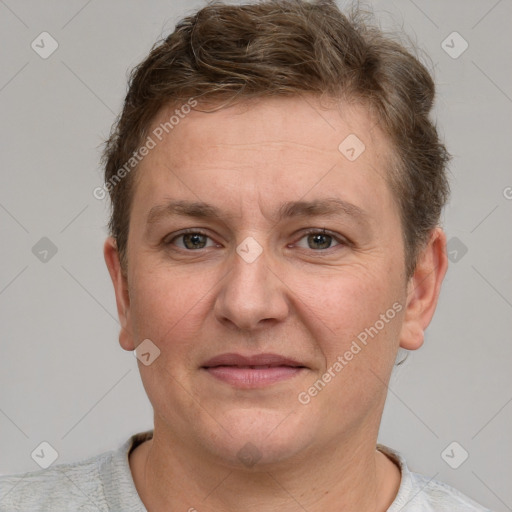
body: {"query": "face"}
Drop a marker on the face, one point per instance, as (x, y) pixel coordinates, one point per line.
(268, 270)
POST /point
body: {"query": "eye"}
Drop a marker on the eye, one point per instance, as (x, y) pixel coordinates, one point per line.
(191, 240)
(314, 239)
(318, 240)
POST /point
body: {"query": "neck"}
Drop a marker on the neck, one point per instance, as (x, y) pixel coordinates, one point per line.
(349, 475)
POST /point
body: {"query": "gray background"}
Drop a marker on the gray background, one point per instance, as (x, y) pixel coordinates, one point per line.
(63, 377)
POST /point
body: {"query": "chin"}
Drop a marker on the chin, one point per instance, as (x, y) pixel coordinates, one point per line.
(253, 438)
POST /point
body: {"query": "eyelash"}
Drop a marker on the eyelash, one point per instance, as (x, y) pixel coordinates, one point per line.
(341, 241)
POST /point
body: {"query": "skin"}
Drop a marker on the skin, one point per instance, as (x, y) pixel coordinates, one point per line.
(299, 298)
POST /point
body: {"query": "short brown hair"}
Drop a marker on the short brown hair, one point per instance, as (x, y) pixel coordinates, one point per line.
(288, 48)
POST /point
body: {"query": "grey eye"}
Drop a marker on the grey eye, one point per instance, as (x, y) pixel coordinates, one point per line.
(318, 241)
(192, 241)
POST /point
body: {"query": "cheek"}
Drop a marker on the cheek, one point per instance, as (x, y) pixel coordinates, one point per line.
(349, 309)
(165, 304)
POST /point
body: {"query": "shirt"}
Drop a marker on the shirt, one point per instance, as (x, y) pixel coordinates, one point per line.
(104, 483)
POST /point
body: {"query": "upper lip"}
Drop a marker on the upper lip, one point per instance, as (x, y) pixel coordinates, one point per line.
(231, 359)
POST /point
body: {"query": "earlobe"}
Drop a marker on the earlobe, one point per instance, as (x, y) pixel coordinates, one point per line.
(412, 338)
(120, 282)
(423, 290)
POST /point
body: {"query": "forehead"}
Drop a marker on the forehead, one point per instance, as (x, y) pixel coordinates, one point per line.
(293, 147)
(278, 123)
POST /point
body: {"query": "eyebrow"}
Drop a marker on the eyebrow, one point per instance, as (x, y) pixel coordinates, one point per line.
(329, 207)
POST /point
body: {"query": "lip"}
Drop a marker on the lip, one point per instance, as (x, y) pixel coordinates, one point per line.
(232, 359)
(252, 371)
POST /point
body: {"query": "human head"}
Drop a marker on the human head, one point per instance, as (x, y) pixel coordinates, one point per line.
(225, 54)
(236, 167)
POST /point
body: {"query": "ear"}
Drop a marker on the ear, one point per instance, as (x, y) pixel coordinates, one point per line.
(423, 290)
(120, 283)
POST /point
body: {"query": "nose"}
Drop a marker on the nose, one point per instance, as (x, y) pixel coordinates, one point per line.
(253, 295)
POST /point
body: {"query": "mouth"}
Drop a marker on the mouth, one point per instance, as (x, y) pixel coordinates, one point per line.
(254, 371)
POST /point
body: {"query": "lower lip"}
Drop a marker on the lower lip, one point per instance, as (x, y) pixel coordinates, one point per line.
(253, 377)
